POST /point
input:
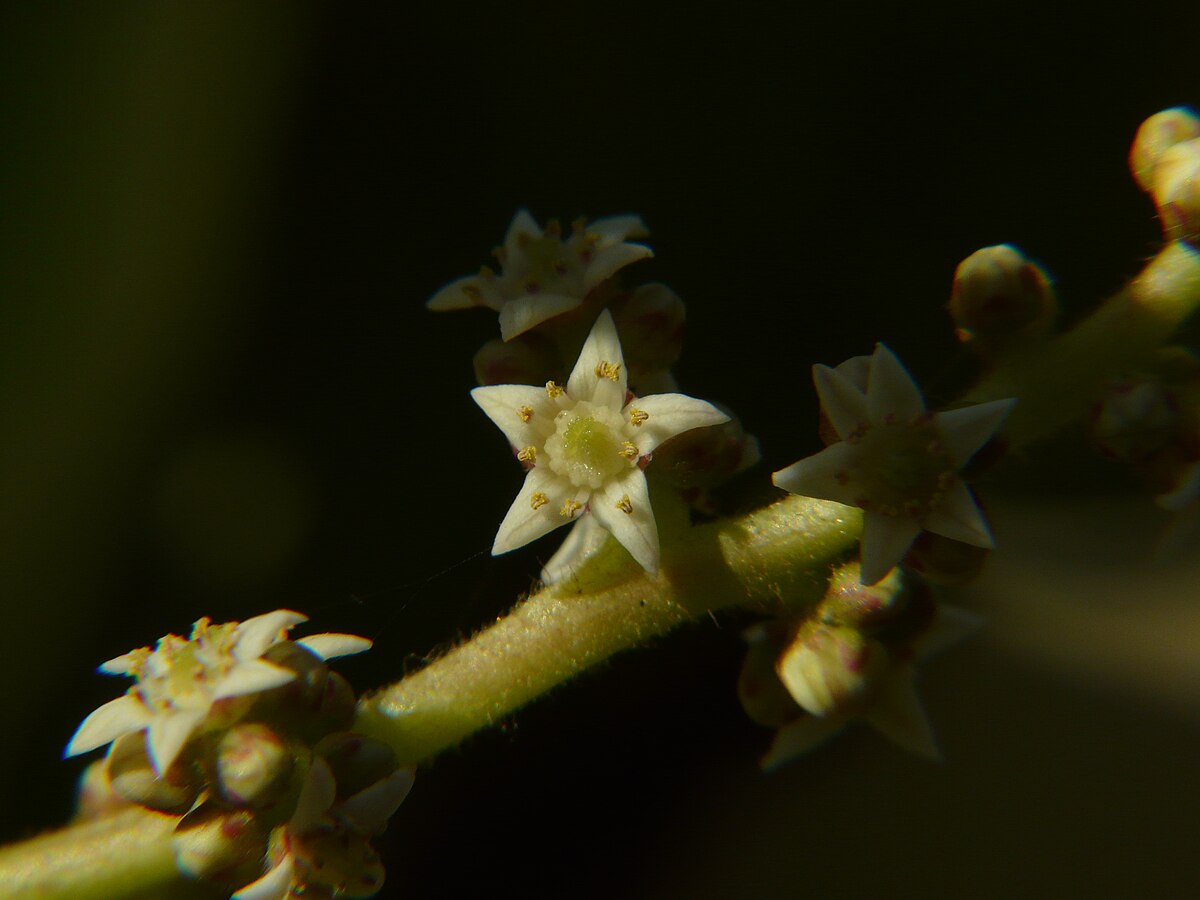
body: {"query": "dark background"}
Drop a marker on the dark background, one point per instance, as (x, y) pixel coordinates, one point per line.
(220, 393)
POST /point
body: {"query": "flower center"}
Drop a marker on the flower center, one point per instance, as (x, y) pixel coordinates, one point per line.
(587, 449)
(902, 468)
(545, 262)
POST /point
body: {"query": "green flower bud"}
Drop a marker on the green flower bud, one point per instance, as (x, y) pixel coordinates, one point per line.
(831, 671)
(218, 845)
(529, 358)
(1135, 419)
(1000, 300)
(356, 761)
(763, 696)
(866, 608)
(707, 457)
(1176, 191)
(650, 321)
(254, 765)
(1155, 136)
(945, 561)
(132, 776)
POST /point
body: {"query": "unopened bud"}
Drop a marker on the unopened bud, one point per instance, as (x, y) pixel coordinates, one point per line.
(529, 358)
(763, 696)
(1001, 300)
(223, 846)
(356, 761)
(866, 608)
(1176, 191)
(831, 670)
(650, 321)
(95, 796)
(706, 457)
(336, 862)
(254, 765)
(945, 561)
(1155, 136)
(1134, 420)
(132, 775)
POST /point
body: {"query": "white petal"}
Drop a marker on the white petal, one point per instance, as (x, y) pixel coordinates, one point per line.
(636, 530)
(843, 403)
(523, 225)
(586, 536)
(891, 392)
(602, 346)
(856, 370)
(898, 715)
(798, 738)
(964, 431)
(523, 523)
(371, 807)
(316, 796)
(275, 885)
(256, 635)
(812, 697)
(607, 261)
(614, 229)
(107, 723)
(465, 293)
(522, 313)
(503, 403)
(168, 733)
(957, 517)
(331, 645)
(250, 677)
(672, 414)
(885, 540)
(123, 664)
(825, 475)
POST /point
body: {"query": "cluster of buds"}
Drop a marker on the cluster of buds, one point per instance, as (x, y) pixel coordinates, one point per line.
(851, 659)
(1151, 421)
(245, 731)
(1165, 161)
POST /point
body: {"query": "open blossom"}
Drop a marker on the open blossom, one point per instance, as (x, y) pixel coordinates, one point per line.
(543, 275)
(895, 461)
(178, 682)
(585, 445)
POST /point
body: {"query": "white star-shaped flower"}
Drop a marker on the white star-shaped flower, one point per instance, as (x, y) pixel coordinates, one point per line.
(541, 274)
(585, 445)
(178, 682)
(895, 461)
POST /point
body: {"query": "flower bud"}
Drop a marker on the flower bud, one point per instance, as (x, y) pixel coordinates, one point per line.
(356, 761)
(763, 696)
(528, 358)
(1001, 300)
(945, 561)
(254, 765)
(220, 845)
(336, 862)
(1176, 191)
(706, 457)
(866, 608)
(132, 775)
(1134, 419)
(650, 321)
(831, 670)
(95, 796)
(1155, 136)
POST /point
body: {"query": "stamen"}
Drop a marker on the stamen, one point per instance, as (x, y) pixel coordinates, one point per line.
(638, 416)
(569, 508)
(527, 454)
(625, 506)
(537, 500)
(629, 450)
(606, 369)
(553, 391)
(525, 412)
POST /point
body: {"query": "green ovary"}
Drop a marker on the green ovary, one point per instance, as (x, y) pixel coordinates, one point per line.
(902, 469)
(589, 451)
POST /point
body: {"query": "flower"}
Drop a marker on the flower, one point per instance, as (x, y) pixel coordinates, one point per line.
(178, 683)
(542, 275)
(895, 461)
(585, 445)
(893, 707)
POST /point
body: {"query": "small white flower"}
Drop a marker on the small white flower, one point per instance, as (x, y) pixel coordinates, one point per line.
(585, 445)
(541, 274)
(896, 462)
(178, 682)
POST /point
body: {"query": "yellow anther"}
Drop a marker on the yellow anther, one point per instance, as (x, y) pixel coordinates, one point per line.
(537, 500)
(527, 454)
(638, 416)
(525, 412)
(629, 450)
(553, 390)
(625, 506)
(605, 369)
(569, 508)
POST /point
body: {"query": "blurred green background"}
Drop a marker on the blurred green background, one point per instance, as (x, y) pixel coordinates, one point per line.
(220, 394)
